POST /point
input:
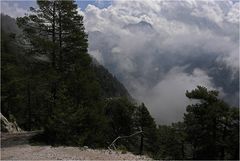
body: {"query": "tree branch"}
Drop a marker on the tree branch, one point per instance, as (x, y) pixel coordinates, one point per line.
(122, 137)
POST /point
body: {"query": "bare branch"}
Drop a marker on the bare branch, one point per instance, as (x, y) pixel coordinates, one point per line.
(122, 137)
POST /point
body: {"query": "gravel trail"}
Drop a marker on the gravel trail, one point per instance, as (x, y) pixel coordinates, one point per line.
(17, 147)
(28, 152)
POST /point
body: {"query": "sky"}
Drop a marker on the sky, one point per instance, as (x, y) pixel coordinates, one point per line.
(160, 49)
(21, 4)
(15, 8)
(81, 3)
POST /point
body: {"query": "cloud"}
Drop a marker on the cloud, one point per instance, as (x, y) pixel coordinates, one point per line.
(79, 10)
(231, 60)
(233, 15)
(167, 99)
(97, 55)
(158, 49)
(180, 30)
(12, 9)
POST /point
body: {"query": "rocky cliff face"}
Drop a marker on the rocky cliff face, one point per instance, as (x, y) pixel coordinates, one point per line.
(7, 126)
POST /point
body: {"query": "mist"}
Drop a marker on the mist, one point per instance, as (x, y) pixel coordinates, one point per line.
(160, 49)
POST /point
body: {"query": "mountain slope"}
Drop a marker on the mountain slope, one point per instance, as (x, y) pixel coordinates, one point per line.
(110, 86)
(18, 73)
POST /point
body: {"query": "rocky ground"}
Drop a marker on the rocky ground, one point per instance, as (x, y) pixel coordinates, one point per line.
(27, 152)
(16, 147)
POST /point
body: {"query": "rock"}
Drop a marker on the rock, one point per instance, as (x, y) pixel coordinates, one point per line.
(10, 127)
(85, 147)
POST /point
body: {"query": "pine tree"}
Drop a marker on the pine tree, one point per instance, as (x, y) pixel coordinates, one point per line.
(207, 125)
(145, 123)
(55, 30)
(170, 141)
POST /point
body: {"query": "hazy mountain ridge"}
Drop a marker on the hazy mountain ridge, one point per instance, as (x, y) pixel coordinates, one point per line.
(110, 85)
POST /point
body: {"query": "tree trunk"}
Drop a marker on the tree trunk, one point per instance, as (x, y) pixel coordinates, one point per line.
(222, 157)
(141, 145)
(54, 93)
(214, 138)
(60, 41)
(182, 148)
(29, 106)
(54, 56)
(53, 35)
(194, 156)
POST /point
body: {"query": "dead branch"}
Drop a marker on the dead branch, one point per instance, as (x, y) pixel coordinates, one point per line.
(122, 137)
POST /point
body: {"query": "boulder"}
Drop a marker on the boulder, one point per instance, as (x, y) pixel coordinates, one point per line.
(10, 127)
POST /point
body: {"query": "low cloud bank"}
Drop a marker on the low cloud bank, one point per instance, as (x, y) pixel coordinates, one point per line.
(160, 49)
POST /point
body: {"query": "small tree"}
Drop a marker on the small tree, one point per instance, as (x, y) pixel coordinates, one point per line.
(144, 122)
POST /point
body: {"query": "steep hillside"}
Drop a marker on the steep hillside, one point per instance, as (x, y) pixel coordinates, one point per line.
(110, 85)
(8, 24)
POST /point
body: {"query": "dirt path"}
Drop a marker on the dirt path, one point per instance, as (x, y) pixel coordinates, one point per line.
(14, 139)
(27, 152)
(16, 147)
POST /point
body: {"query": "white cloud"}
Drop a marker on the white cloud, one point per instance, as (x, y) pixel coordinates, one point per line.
(97, 55)
(79, 10)
(167, 99)
(232, 60)
(211, 11)
(144, 42)
(233, 15)
(196, 24)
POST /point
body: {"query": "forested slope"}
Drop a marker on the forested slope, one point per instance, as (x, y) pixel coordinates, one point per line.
(15, 68)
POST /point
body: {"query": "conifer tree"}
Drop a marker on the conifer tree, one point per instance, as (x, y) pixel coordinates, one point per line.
(144, 122)
(207, 124)
(55, 31)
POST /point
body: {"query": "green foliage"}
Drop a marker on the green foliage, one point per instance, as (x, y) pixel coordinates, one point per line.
(75, 115)
(206, 131)
(209, 124)
(172, 141)
(126, 118)
(75, 126)
(109, 85)
(144, 122)
(20, 78)
(119, 113)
